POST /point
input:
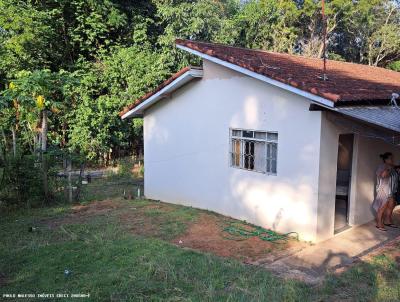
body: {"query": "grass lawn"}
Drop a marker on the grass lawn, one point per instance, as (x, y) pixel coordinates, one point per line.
(115, 255)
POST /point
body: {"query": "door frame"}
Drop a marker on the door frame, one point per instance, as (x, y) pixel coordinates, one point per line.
(353, 182)
(351, 208)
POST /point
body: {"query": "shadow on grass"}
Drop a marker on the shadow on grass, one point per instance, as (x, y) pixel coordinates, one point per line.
(111, 264)
(375, 280)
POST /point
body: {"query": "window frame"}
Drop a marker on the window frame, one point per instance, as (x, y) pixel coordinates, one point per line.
(241, 158)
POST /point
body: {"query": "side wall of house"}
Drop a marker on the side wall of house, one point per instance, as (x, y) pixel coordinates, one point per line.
(365, 161)
(187, 151)
(327, 178)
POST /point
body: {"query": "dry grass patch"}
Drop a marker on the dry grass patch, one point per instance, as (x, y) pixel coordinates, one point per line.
(184, 226)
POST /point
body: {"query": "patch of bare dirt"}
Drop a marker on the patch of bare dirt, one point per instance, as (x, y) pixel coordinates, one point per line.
(207, 234)
(138, 221)
(95, 208)
(391, 249)
(138, 224)
(80, 213)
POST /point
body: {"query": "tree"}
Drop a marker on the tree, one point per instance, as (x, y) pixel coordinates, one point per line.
(116, 80)
(196, 19)
(28, 40)
(116, 50)
(262, 24)
(39, 94)
(9, 114)
(384, 42)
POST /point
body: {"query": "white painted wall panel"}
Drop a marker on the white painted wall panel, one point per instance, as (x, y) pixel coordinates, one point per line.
(368, 161)
(186, 141)
(365, 162)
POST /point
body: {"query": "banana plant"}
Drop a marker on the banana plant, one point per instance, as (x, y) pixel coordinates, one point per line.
(34, 97)
(38, 96)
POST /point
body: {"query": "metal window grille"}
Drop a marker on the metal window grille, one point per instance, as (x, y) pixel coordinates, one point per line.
(254, 150)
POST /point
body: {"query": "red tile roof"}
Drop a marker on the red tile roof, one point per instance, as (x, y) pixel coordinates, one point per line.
(347, 82)
(153, 92)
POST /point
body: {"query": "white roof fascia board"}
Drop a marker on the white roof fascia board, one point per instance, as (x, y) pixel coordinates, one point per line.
(177, 83)
(317, 99)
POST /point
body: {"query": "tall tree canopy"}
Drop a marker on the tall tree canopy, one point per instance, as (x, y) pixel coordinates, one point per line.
(86, 59)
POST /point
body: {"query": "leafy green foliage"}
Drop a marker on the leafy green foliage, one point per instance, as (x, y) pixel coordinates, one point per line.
(106, 87)
(31, 93)
(88, 59)
(27, 38)
(21, 182)
(395, 66)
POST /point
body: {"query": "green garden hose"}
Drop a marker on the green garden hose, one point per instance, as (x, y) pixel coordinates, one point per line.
(243, 230)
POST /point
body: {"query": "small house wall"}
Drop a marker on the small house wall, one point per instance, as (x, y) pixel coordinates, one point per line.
(364, 163)
(187, 159)
(367, 163)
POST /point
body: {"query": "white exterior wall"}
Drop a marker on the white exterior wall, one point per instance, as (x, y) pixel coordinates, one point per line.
(327, 178)
(187, 159)
(365, 162)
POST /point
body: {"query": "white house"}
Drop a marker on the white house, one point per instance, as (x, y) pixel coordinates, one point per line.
(260, 136)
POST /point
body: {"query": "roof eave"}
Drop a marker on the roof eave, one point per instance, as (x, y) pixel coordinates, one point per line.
(189, 75)
(314, 98)
(346, 111)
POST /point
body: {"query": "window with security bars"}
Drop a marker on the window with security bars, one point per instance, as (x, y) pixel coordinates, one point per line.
(254, 150)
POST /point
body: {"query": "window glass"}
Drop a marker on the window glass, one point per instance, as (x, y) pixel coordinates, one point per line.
(249, 155)
(260, 135)
(237, 133)
(236, 152)
(254, 150)
(272, 136)
(273, 167)
(248, 133)
(260, 160)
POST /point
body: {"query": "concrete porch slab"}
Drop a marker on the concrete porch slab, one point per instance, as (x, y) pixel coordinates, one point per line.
(312, 263)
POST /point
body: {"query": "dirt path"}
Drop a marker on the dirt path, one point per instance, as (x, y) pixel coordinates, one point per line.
(337, 254)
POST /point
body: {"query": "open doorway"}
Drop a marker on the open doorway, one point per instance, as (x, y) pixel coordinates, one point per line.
(343, 181)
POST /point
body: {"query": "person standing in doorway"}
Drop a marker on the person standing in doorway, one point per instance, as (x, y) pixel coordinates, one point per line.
(386, 190)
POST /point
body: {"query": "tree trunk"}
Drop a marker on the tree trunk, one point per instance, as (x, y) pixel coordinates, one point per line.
(14, 140)
(44, 158)
(5, 140)
(79, 186)
(70, 189)
(35, 142)
(39, 144)
(44, 131)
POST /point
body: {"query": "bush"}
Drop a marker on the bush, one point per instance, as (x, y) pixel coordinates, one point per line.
(22, 180)
(395, 66)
